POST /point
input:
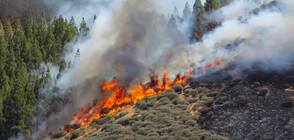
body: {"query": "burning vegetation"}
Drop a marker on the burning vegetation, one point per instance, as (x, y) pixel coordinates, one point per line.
(122, 98)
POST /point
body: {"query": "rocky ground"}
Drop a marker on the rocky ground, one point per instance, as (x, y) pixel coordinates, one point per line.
(256, 107)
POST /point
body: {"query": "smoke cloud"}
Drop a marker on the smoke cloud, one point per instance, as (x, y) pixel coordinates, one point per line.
(265, 37)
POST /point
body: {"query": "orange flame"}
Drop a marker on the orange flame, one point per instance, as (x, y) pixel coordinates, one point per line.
(212, 64)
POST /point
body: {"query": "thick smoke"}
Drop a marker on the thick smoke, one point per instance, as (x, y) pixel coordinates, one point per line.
(131, 37)
(264, 37)
(125, 42)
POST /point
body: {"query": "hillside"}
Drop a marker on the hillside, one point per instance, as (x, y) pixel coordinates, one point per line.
(176, 114)
(257, 107)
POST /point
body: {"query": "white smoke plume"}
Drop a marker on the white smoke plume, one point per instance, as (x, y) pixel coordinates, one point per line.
(265, 37)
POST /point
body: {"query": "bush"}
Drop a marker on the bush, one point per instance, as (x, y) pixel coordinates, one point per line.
(58, 134)
(191, 123)
(163, 101)
(125, 121)
(178, 88)
(105, 110)
(75, 134)
(122, 114)
(182, 106)
(192, 100)
(256, 84)
(102, 120)
(151, 103)
(190, 92)
(171, 95)
(202, 90)
(176, 101)
(244, 99)
(112, 129)
(212, 94)
(141, 104)
(263, 91)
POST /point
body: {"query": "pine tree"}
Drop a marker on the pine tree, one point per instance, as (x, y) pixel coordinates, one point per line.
(73, 26)
(62, 65)
(2, 32)
(94, 19)
(8, 30)
(48, 80)
(177, 15)
(212, 5)
(42, 30)
(30, 30)
(187, 12)
(83, 28)
(198, 8)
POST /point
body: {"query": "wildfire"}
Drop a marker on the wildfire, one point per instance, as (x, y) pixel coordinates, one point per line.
(121, 98)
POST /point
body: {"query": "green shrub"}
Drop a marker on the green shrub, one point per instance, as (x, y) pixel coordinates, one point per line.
(102, 120)
(171, 95)
(112, 129)
(163, 101)
(75, 134)
(212, 94)
(105, 110)
(149, 115)
(127, 137)
(182, 106)
(190, 92)
(178, 88)
(176, 101)
(191, 123)
(58, 134)
(122, 114)
(192, 100)
(166, 137)
(94, 125)
(202, 90)
(141, 104)
(151, 103)
(125, 121)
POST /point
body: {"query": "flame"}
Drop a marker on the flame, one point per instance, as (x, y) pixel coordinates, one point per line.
(121, 98)
(290, 89)
(212, 64)
(109, 85)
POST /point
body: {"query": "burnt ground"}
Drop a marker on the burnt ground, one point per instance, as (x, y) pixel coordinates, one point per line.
(255, 107)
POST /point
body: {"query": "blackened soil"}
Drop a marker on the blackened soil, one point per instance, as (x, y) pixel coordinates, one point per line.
(257, 107)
